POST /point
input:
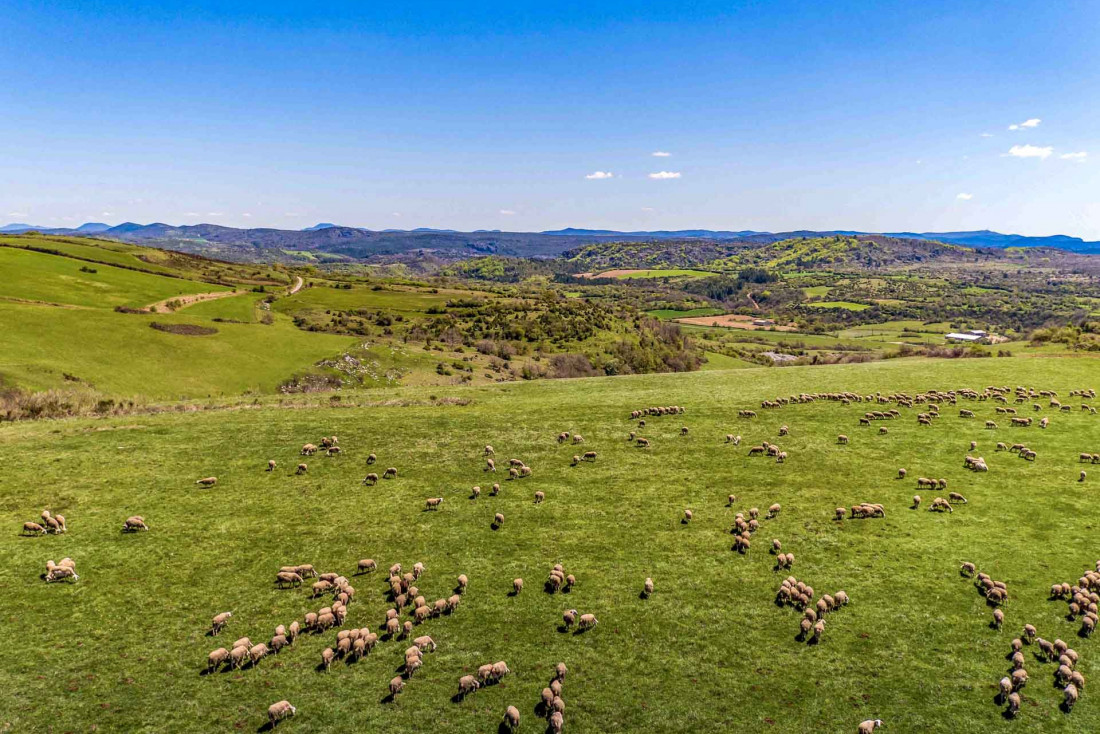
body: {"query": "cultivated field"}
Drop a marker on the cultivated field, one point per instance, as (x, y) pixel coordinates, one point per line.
(124, 648)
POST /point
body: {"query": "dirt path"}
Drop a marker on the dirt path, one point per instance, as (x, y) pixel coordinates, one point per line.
(189, 300)
(297, 286)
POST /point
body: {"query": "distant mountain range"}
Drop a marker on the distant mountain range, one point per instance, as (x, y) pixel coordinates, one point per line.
(338, 242)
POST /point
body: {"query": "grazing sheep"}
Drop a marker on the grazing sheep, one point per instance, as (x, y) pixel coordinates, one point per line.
(840, 513)
(467, 684)
(576, 460)
(475, 493)
(433, 503)
(31, 528)
(687, 516)
(916, 501)
(1013, 704)
(967, 569)
(956, 497)
(842, 439)
(556, 722)
(1029, 633)
(1019, 679)
(517, 586)
(279, 711)
(207, 481)
(287, 577)
(371, 479)
(776, 545)
(271, 464)
(587, 621)
(462, 582)
(569, 618)
(1082, 477)
(511, 718)
(578, 438)
(647, 587)
(560, 671)
(489, 450)
(302, 469)
(278, 642)
(1005, 685)
(216, 658)
(371, 459)
(901, 473)
(869, 726)
(390, 473)
(397, 684)
(490, 465)
(998, 618)
(366, 565)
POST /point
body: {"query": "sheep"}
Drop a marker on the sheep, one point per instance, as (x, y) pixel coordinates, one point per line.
(1077, 679)
(883, 430)
(1005, 685)
(967, 569)
(371, 459)
(489, 450)
(577, 438)
(841, 598)
(1081, 478)
(684, 431)
(576, 460)
(500, 669)
(237, 656)
(840, 513)
(916, 501)
(425, 643)
(587, 621)
(31, 528)
(901, 473)
(1088, 626)
(216, 658)
(490, 465)
(467, 684)
(589, 456)
(869, 726)
(1070, 694)
(475, 493)
(433, 503)
(1029, 633)
(956, 497)
(366, 565)
(642, 443)
(1013, 704)
(287, 577)
(687, 516)
(207, 481)
(244, 642)
(271, 464)
(292, 631)
(389, 473)
(278, 642)
(647, 587)
(776, 545)
(397, 684)
(556, 722)
(462, 583)
(1019, 679)
(218, 622)
(257, 653)
(842, 439)
(302, 469)
(517, 586)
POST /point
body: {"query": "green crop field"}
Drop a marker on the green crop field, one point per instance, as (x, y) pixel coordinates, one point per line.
(664, 273)
(124, 648)
(404, 299)
(668, 313)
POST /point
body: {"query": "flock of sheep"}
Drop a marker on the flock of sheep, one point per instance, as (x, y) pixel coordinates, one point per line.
(405, 597)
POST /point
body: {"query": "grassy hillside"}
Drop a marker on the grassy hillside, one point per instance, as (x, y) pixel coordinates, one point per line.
(125, 646)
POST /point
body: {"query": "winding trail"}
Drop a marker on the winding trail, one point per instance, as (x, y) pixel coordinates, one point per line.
(297, 286)
(189, 300)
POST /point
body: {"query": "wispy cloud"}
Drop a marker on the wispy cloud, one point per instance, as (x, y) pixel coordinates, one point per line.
(215, 214)
(1032, 122)
(665, 175)
(507, 212)
(107, 214)
(965, 197)
(600, 175)
(661, 154)
(1030, 151)
(397, 214)
(1080, 156)
(18, 214)
(648, 209)
(987, 135)
(191, 214)
(246, 214)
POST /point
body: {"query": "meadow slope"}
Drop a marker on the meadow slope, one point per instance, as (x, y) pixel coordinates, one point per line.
(124, 647)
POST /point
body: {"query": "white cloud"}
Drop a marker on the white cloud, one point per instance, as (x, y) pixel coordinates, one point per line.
(599, 175)
(1030, 151)
(507, 212)
(1033, 122)
(1079, 157)
(965, 197)
(397, 214)
(665, 175)
(661, 154)
(987, 135)
(648, 209)
(246, 214)
(215, 214)
(107, 214)
(18, 214)
(191, 214)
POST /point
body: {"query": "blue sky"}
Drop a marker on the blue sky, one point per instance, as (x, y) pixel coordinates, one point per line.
(879, 116)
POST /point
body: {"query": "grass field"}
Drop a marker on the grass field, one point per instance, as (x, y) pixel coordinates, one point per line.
(36, 276)
(669, 314)
(655, 273)
(123, 649)
(847, 305)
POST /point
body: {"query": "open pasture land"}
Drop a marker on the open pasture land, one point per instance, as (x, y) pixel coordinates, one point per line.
(731, 321)
(124, 648)
(629, 274)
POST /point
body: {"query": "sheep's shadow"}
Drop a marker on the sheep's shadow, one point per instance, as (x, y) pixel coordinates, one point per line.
(1065, 708)
(513, 592)
(1007, 715)
(1082, 634)
(458, 697)
(1000, 699)
(563, 629)
(320, 668)
(643, 595)
(494, 526)
(579, 631)
(388, 698)
(503, 728)
(813, 641)
(267, 726)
